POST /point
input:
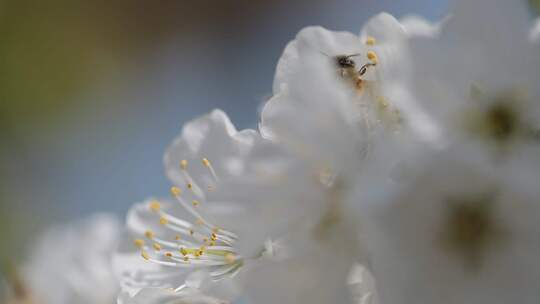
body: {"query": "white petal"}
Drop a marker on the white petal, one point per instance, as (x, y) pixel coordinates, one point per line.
(285, 66)
(317, 39)
(384, 28)
(417, 26)
(163, 296)
(316, 278)
(70, 262)
(213, 137)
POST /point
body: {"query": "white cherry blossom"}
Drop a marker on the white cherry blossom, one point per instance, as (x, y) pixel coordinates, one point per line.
(184, 244)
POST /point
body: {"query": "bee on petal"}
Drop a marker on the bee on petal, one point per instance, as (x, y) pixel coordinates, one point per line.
(348, 69)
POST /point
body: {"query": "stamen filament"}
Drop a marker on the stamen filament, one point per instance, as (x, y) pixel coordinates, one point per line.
(208, 165)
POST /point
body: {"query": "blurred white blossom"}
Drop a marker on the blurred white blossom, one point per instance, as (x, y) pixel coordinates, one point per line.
(458, 230)
(70, 263)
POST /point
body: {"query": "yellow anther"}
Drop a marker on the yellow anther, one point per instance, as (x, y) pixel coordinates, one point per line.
(183, 251)
(149, 234)
(145, 255)
(157, 247)
(190, 186)
(370, 40)
(214, 236)
(208, 165)
(195, 202)
(178, 237)
(163, 221)
(183, 164)
(199, 253)
(371, 55)
(176, 191)
(168, 254)
(155, 206)
(139, 243)
(212, 243)
(230, 258)
(202, 248)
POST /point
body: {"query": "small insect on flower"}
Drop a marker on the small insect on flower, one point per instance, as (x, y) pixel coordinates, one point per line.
(348, 68)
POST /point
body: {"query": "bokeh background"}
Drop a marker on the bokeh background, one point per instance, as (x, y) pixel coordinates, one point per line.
(91, 92)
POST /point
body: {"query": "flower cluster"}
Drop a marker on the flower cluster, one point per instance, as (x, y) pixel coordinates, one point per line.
(400, 165)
